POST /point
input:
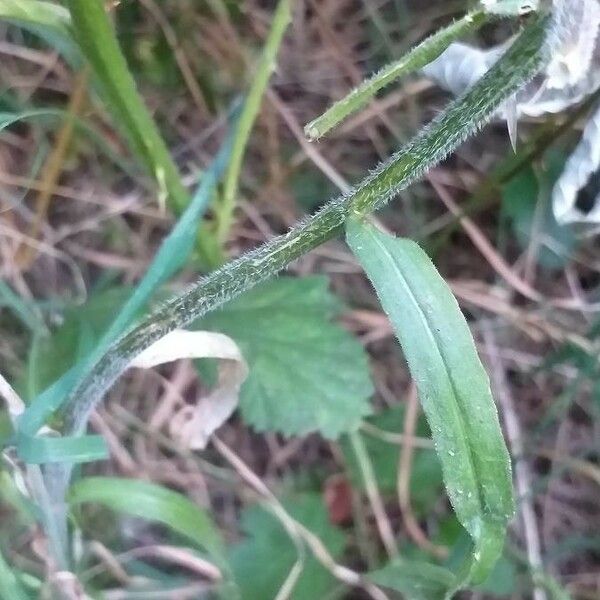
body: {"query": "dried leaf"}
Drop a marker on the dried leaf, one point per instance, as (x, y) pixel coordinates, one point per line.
(193, 425)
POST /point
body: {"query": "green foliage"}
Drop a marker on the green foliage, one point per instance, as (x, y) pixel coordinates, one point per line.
(94, 33)
(48, 14)
(82, 326)
(152, 503)
(264, 559)
(22, 309)
(10, 586)
(91, 332)
(502, 581)
(525, 202)
(306, 373)
(453, 387)
(415, 580)
(518, 65)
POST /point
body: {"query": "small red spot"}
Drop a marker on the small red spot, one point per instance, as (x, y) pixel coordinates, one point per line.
(337, 494)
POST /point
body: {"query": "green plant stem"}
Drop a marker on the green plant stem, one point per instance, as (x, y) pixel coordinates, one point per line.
(281, 20)
(417, 58)
(462, 118)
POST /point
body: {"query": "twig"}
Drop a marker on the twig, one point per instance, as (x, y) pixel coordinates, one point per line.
(309, 149)
(383, 524)
(483, 245)
(522, 474)
(403, 482)
(398, 439)
(54, 165)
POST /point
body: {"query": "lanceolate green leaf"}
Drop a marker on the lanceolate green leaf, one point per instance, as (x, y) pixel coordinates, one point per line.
(153, 503)
(423, 54)
(94, 33)
(453, 387)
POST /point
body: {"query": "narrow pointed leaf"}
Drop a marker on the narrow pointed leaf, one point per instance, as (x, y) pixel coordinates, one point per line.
(453, 387)
(93, 31)
(35, 12)
(154, 503)
(170, 258)
(47, 20)
(268, 62)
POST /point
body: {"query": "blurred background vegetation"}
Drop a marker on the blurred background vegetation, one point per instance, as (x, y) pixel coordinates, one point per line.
(80, 220)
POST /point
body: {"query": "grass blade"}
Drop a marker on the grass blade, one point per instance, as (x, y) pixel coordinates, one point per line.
(94, 33)
(24, 310)
(34, 12)
(453, 386)
(48, 20)
(153, 503)
(10, 587)
(281, 20)
(416, 59)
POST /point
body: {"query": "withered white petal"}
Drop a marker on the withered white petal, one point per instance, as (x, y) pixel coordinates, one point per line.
(580, 176)
(461, 66)
(572, 37)
(193, 425)
(572, 74)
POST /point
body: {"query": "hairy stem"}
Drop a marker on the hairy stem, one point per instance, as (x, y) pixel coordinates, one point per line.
(462, 118)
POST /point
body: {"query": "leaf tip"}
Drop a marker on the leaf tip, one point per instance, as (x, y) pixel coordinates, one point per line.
(312, 131)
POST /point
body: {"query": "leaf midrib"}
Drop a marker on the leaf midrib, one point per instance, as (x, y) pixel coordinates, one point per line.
(432, 333)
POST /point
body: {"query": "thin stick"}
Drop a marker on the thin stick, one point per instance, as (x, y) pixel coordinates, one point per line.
(53, 166)
(522, 474)
(366, 468)
(403, 482)
(398, 439)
